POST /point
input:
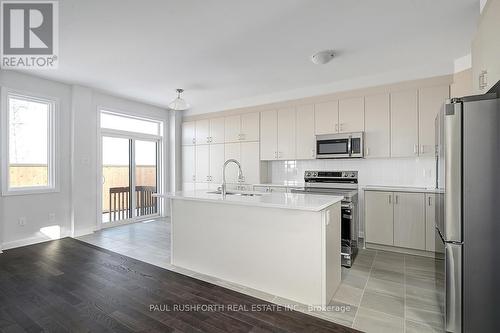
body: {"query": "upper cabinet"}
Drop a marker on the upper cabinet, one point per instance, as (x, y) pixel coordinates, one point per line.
(351, 115)
(202, 130)
(430, 101)
(250, 129)
(268, 135)
(277, 134)
(305, 140)
(188, 133)
(326, 117)
(286, 134)
(404, 123)
(377, 126)
(486, 49)
(242, 128)
(216, 130)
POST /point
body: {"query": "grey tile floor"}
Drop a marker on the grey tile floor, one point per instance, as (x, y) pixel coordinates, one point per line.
(382, 292)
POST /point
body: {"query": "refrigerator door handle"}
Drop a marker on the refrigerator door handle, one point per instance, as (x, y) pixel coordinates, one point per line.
(453, 173)
(453, 282)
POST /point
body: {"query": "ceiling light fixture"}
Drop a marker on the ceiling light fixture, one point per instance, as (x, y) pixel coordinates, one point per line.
(322, 57)
(178, 104)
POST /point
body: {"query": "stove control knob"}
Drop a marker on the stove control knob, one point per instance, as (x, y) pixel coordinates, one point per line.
(315, 174)
(308, 174)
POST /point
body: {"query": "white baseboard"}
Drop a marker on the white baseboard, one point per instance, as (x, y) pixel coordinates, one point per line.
(25, 241)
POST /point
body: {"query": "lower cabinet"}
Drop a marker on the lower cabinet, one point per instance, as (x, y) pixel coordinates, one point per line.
(379, 219)
(402, 219)
(409, 220)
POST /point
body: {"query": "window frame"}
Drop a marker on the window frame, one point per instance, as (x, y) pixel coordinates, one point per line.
(53, 184)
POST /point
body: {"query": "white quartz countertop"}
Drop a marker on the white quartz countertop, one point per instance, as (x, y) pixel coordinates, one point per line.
(401, 189)
(283, 184)
(298, 201)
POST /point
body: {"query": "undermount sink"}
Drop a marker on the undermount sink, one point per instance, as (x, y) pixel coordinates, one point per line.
(243, 194)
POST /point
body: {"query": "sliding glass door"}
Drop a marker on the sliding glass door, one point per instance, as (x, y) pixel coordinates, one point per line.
(146, 180)
(116, 180)
(129, 163)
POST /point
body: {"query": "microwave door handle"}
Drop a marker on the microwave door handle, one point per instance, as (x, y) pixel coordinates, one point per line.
(349, 146)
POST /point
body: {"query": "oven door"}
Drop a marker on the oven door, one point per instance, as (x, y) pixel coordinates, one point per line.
(333, 146)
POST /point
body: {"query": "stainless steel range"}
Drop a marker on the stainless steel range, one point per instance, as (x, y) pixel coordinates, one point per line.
(340, 183)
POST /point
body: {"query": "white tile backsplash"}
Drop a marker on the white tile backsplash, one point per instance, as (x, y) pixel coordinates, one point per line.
(419, 172)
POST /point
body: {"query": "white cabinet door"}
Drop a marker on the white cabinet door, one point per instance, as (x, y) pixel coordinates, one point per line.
(268, 135)
(326, 117)
(250, 162)
(188, 164)
(202, 163)
(217, 130)
(188, 133)
(216, 162)
(232, 128)
(409, 220)
(379, 217)
(202, 132)
(430, 101)
(286, 134)
(352, 115)
(305, 139)
(431, 235)
(250, 127)
(377, 126)
(232, 151)
(404, 123)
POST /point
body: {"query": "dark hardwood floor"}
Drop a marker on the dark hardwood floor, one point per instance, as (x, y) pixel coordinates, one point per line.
(67, 285)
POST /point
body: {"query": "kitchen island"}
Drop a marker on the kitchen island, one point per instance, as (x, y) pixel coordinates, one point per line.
(285, 244)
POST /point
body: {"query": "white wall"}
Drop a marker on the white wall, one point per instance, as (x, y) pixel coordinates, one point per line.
(75, 206)
(36, 207)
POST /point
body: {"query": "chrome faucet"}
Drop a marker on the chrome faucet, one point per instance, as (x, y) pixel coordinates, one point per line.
(240, 175)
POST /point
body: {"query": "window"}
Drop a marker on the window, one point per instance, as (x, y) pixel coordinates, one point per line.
(121, 122)
(28, 127)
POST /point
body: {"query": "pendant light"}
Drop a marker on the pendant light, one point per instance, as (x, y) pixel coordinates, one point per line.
(178, 104)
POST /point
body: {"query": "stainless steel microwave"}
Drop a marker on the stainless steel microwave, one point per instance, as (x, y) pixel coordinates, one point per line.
(345, 145)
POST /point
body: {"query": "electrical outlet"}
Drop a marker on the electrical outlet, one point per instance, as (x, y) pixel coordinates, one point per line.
(52, 217)
(22, 221)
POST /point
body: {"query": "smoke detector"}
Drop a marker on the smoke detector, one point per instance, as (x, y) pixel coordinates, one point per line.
(322, 57)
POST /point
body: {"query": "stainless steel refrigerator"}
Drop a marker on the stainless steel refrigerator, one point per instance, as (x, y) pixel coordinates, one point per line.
(468, 209)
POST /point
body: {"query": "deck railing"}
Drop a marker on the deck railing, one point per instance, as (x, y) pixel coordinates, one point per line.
(119, 202)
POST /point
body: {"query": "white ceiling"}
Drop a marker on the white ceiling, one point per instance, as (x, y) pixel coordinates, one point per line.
(231, 53)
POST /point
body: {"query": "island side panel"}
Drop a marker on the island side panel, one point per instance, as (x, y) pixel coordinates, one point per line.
(278, 251)
(332, 262)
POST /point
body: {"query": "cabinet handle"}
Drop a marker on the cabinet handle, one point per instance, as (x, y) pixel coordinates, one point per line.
(194, 178)
(194, 141)
(390, 199)
(342, 127)
(279, 155)
(429, 201)
(397, 199)
(336, 127)
(275, 154)
(415, 149)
